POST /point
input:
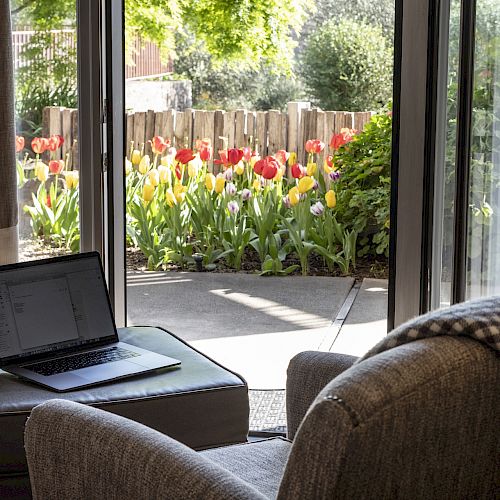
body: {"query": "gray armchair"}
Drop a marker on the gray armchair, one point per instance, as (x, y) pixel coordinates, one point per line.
(417, 421)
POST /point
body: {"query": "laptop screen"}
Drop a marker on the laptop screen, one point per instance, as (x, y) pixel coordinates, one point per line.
(52, 305)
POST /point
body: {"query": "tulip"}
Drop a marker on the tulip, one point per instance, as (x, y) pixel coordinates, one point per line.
(159, 144)
(294, 196)
(180, 192)
(305, 184)
(331, 199)
(247, 154)
(136, 157)
(311, 169)
(239, 168)
(286, 201)
(148, 192)
(231, 189)
(48, 202)
(184, 156)
(164, 173)
(178, 171)
(223, 158)
(279, 175)
(233, 207)
(55, 142)
(258, 166)
(346, 135)
(19, 143)
(256, 185)
(270, 167)
(204, 148)
(210, 182)
(56, 166)
(228, 174)
(154, 177)
(144, 164)
(254, 160)
(317, 209)
(334, 175)
(220, 182)
(72, 178)
(171, 152)
(170, 197)
(292, 159)
(41, 171)
(39, 145)
(128, 166)
(194, 166)
(167, 161)
(246, 194)
(298, 171)
(282, 156)
(234, 156)
(314, 146)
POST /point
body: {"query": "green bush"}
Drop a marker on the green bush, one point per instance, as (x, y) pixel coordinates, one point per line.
(348, 66)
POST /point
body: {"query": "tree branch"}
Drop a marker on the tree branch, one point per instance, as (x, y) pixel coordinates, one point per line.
(21, 7)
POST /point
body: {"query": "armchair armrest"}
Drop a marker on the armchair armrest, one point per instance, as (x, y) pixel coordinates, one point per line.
(308, 372)
(79, 452)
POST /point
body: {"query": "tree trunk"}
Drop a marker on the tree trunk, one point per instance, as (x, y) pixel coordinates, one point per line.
(8, 175)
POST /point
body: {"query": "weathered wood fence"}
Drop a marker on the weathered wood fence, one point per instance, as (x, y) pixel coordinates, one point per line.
(268, 131)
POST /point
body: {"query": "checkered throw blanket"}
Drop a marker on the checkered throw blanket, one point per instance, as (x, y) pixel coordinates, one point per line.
(478, 319)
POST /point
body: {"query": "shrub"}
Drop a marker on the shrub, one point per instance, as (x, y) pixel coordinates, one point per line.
(348, 65)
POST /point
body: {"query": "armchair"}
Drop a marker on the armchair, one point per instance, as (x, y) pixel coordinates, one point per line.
(415, 421)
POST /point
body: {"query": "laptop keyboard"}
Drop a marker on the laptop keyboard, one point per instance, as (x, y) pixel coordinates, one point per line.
(83, 360)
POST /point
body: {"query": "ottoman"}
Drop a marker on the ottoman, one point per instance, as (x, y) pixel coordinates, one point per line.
(201, 404)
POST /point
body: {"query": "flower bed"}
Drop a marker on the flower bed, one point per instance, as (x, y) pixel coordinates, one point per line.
(178, 212)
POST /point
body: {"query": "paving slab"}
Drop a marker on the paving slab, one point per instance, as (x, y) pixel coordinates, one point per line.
(199, 306)
(366, 323)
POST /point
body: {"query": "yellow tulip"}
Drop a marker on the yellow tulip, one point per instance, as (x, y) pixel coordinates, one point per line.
(148, 192)
(144, 164)
(220, 182)
(42, 171)
(331, 199)
(327, 168)
(311, 168)
(294, 196)
(167, 161)
(256, 185)
(170, 197)
(164, 174)
(136, 157)
(279, 175)
(239, 168)
(180, 192)
(210, 182)
(154, 177)
(292, 159)
(71, 179)
(305, 184)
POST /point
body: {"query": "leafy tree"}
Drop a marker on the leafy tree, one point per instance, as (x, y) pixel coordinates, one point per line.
(348, 65)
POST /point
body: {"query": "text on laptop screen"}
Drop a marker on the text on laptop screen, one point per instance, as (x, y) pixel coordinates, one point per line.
(54, 305)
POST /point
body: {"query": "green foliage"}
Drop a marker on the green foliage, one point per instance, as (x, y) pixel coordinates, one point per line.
(363, 198)
(348, 65)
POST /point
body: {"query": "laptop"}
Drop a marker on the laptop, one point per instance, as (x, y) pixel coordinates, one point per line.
(57, 328)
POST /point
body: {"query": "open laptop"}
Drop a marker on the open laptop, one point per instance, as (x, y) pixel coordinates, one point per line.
(57, 328)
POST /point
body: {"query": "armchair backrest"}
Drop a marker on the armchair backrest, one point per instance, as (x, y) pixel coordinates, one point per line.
(417, 421)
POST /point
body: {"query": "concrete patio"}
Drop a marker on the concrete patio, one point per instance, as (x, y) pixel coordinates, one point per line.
(255, 325)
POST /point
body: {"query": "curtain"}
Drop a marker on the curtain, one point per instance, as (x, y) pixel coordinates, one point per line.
(8, 176)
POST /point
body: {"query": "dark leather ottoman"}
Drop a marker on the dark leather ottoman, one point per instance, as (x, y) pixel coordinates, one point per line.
(201, 404)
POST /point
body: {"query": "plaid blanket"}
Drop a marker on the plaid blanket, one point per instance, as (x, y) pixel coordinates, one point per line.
(477, 319)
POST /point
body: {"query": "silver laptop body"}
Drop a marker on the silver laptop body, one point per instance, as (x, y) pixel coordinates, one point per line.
(57, 328)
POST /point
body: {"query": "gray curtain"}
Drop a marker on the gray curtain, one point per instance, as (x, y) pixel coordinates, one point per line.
(8, 180)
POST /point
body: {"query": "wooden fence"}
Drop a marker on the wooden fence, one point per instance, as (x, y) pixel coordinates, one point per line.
(269, 131)
(146, 57)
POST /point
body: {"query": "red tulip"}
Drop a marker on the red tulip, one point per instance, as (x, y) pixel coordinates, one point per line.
(55, 142)
(314, 146)
(56, 166)
(204, 148)
(234, 156)
(298, 171)
(184, 156)
(159, 144)
(329, 161)
(19, 143)
(270, 169)
(223, 158)
(282, 156)
(345, 136)
(258, 167)
(39, 145)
